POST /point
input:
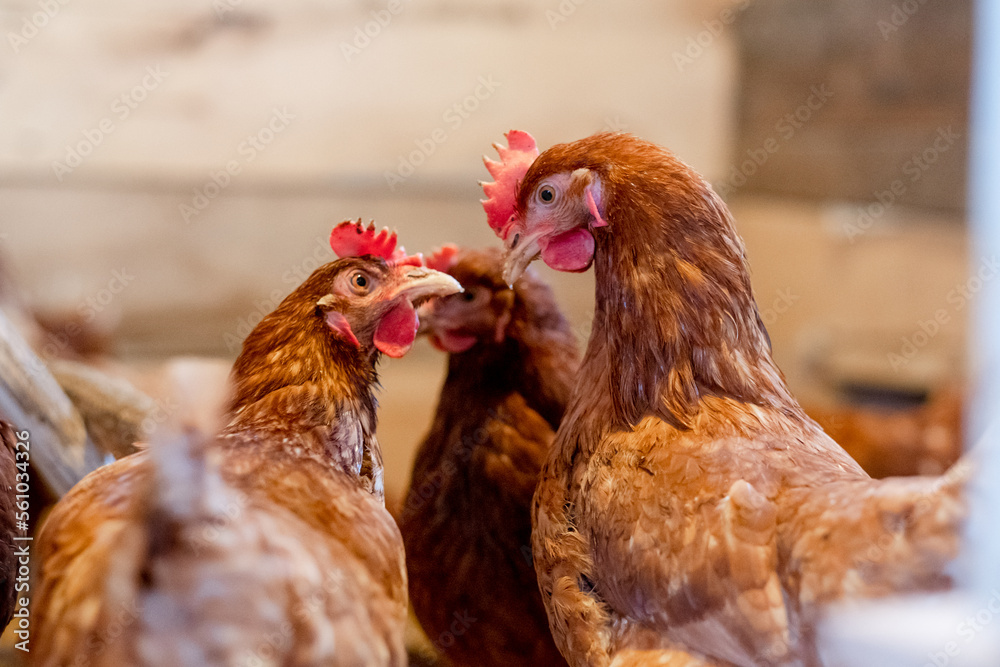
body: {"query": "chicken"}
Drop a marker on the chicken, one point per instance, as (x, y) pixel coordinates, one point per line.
(466, 522)
(689, 512)
(268, 543)
(925, 440)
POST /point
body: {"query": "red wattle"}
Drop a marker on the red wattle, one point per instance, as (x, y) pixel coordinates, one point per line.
(571, 251)
(397, 330)
(453, 342)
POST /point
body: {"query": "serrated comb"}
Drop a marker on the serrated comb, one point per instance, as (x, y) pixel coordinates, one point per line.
(501, 195)
(443, 258)
(353, 239)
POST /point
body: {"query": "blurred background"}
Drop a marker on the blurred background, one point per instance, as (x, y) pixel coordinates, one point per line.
(170, 170)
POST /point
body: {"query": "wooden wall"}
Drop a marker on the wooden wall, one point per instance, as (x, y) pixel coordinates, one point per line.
(179, 164)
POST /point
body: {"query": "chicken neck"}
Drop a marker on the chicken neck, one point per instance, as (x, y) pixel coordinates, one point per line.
(675, 319)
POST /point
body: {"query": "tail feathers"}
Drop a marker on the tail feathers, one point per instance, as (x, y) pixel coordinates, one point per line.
(184, 479)
(872, 538)
(191, 503)
(939, 511)
(187, 484)
(917, 531)
(940, 515)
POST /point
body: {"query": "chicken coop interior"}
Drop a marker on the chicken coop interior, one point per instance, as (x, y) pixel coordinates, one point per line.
(171, 171)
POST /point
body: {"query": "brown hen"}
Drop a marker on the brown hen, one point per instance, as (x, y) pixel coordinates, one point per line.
(466, 522)
(924, 440)
(269, 543)
(689, 511)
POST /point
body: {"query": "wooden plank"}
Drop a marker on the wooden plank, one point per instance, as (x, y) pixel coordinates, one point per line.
(855, 100)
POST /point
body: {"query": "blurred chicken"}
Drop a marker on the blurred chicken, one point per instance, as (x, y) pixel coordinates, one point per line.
(925, 440)
(689, 511)
(466, 522)
(266, 544)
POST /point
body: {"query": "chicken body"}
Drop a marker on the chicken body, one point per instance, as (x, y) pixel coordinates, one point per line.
(689, 511)
(266, 544)
(466, 522)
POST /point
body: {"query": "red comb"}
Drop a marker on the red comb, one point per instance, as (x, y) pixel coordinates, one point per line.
(443, 258)
(501, 195)
(353, 239)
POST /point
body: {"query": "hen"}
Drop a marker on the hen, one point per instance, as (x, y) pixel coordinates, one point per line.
(466, 522)
(924, 440)
(689, 511)
(269, 543)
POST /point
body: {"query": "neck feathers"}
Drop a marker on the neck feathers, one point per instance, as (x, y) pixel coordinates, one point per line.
(538, 359)
(278, 357)
(675, 311)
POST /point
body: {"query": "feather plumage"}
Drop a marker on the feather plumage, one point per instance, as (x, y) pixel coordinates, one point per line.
(689, 504)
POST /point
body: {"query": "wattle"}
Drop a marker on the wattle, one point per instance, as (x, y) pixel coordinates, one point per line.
(397, 330)
(570, 251)
(452, 341)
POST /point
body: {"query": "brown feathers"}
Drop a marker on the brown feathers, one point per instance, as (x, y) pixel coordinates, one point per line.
(466, 521)
(690, 509)
(673, 284)
(268, 543)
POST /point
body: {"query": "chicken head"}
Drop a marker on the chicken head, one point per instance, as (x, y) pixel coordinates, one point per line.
(540, 212)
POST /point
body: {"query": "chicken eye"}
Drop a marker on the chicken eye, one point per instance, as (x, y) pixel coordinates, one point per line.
(360, 283)
(468, 296)
(546, 194)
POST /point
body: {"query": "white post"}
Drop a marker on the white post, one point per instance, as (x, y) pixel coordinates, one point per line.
(960, 628)
(984, 220)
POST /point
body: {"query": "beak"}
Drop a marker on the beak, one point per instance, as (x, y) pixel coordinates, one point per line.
(426, 314)
(522, 250)
(419, 283)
